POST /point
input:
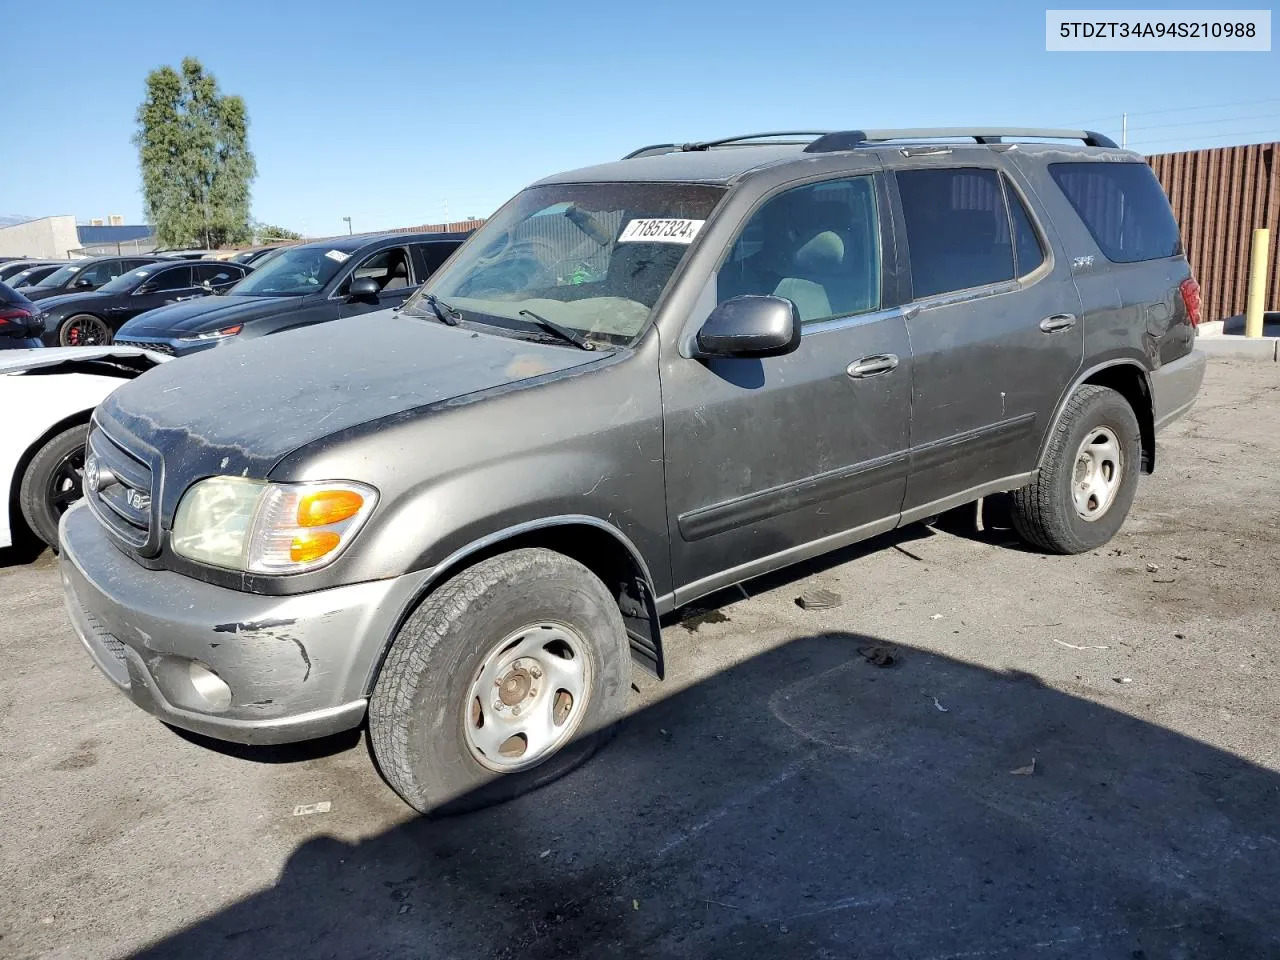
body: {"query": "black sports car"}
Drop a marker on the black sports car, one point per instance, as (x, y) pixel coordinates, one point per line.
(91, 319)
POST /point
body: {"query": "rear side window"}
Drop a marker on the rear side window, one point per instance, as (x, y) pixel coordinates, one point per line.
(957, 229)
(436, 253)
(1124, 208)
(1026, 244)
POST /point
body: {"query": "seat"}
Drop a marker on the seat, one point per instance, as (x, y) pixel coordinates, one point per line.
(397, 275)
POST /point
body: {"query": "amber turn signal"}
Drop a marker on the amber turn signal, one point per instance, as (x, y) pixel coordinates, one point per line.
(312, 546)
(324, 507)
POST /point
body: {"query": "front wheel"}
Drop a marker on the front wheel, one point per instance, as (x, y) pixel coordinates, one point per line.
(1088, 477)
(84, 330)
(506, 677)
(53, 481)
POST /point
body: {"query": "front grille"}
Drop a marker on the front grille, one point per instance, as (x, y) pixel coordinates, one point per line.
(121, 497)
(155, 347)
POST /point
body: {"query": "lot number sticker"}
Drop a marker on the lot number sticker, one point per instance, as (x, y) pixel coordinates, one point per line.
(661, 231)
(338, 255)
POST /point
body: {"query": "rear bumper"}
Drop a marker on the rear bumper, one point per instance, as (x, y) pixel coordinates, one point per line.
(230, 665)
(1175, 386)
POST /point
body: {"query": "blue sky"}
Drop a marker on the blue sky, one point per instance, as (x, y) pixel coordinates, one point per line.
(396, 113)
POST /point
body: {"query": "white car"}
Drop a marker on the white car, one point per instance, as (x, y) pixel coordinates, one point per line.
(48, 396)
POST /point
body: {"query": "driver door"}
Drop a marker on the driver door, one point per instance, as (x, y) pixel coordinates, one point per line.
(771, 460)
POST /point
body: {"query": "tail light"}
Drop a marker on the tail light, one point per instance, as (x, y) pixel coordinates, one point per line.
(1191, 297)
(8, 315)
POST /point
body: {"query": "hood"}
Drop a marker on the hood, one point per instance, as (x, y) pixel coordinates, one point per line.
(204, 313)
(241, 408)
(61, 301)
(78, 358)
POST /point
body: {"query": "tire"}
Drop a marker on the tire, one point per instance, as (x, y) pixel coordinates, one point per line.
(52, 482)
(1047, 513)
(84, 330)
(424, 716)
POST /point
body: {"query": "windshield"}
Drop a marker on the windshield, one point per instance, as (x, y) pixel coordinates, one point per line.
(592, 257)
(294, 273)
(125, 282)
(61, 275)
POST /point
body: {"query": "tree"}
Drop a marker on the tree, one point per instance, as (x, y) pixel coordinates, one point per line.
(265, 233)
(193, 151)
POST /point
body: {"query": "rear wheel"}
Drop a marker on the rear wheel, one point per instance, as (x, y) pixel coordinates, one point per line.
(1088, 478)
(53, 481)
(506, 677)
(84, 330)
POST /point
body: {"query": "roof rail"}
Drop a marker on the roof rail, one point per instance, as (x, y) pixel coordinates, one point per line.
(659, 148)
(851, 139)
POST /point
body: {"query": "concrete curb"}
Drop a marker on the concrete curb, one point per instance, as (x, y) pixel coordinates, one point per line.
(1266, 349)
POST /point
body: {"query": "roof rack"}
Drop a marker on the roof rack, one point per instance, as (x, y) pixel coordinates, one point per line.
(851, 139)
(659, 148)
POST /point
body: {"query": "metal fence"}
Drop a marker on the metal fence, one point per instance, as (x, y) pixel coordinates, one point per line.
(1219, 197)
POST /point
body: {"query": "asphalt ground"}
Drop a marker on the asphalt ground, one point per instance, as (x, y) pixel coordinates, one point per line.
(979, 752)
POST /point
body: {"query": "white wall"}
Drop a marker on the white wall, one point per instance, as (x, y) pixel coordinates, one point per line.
(48, 237)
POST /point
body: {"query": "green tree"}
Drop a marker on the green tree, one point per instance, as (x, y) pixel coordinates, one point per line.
(266, 232)
(193, 151)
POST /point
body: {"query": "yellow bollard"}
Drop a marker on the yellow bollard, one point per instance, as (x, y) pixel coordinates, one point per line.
(1257, 282)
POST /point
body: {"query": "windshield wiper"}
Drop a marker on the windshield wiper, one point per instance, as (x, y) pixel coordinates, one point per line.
(564, 333)
(447, 314)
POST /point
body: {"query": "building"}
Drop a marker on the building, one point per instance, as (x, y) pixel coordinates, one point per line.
(59, 237)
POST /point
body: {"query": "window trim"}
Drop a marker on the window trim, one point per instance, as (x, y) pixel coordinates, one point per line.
(1037, 228)
(885, 241)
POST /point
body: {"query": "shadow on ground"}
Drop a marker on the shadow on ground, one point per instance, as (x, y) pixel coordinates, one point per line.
(807, 803)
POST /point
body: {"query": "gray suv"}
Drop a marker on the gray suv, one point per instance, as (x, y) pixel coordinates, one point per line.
(460, 520)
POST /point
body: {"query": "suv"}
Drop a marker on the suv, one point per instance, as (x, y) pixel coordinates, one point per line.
(83, 276)
(636, 384)
(300, 285)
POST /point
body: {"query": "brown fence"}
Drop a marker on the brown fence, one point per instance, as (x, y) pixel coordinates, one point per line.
(1220, 197)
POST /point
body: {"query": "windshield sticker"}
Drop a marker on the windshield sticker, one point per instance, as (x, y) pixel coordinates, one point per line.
(661, 231)
(140, 273)
(338, 255)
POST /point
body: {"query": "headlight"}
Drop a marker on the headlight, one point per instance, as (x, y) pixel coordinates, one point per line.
(216, 334)
(261, 527)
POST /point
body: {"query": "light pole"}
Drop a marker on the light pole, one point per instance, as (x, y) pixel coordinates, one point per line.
(347, 220)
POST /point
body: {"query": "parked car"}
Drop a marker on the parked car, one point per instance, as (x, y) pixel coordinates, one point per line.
(10, 270)
(255, 254)
(636, 384)
(195, 253)
(302, 285)
(83, 276)
(29, 275)
(48, 396)
(21, 321)
(91, 319)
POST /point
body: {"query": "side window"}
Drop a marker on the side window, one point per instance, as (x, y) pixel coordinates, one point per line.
(178, 278)
(217, 274)
(100, 273)
(389, 267)
(817, 246)
(1027, 251)
(957, 229)
(1124, 207)
(435, 254)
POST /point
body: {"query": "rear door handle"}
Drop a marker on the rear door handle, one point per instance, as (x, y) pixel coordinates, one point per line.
(872, 366)
(1059, 321)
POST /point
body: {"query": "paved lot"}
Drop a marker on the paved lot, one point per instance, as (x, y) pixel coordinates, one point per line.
(781, 797)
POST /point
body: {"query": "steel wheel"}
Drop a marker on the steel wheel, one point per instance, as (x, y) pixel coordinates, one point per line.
(528, 697)
(1098, 471)
(84, 330)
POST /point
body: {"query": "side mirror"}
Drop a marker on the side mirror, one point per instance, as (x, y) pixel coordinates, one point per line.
(365, 288)
(144, 290)
(84, 283)
(750, 326)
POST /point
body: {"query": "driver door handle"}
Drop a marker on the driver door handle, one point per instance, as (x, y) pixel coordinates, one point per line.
(872, 366)
(1059, 321)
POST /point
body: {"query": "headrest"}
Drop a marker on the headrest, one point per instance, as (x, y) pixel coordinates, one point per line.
(823, 252)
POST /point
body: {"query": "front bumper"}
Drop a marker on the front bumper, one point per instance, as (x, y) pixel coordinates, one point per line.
(230, 665)
(1175, 386)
